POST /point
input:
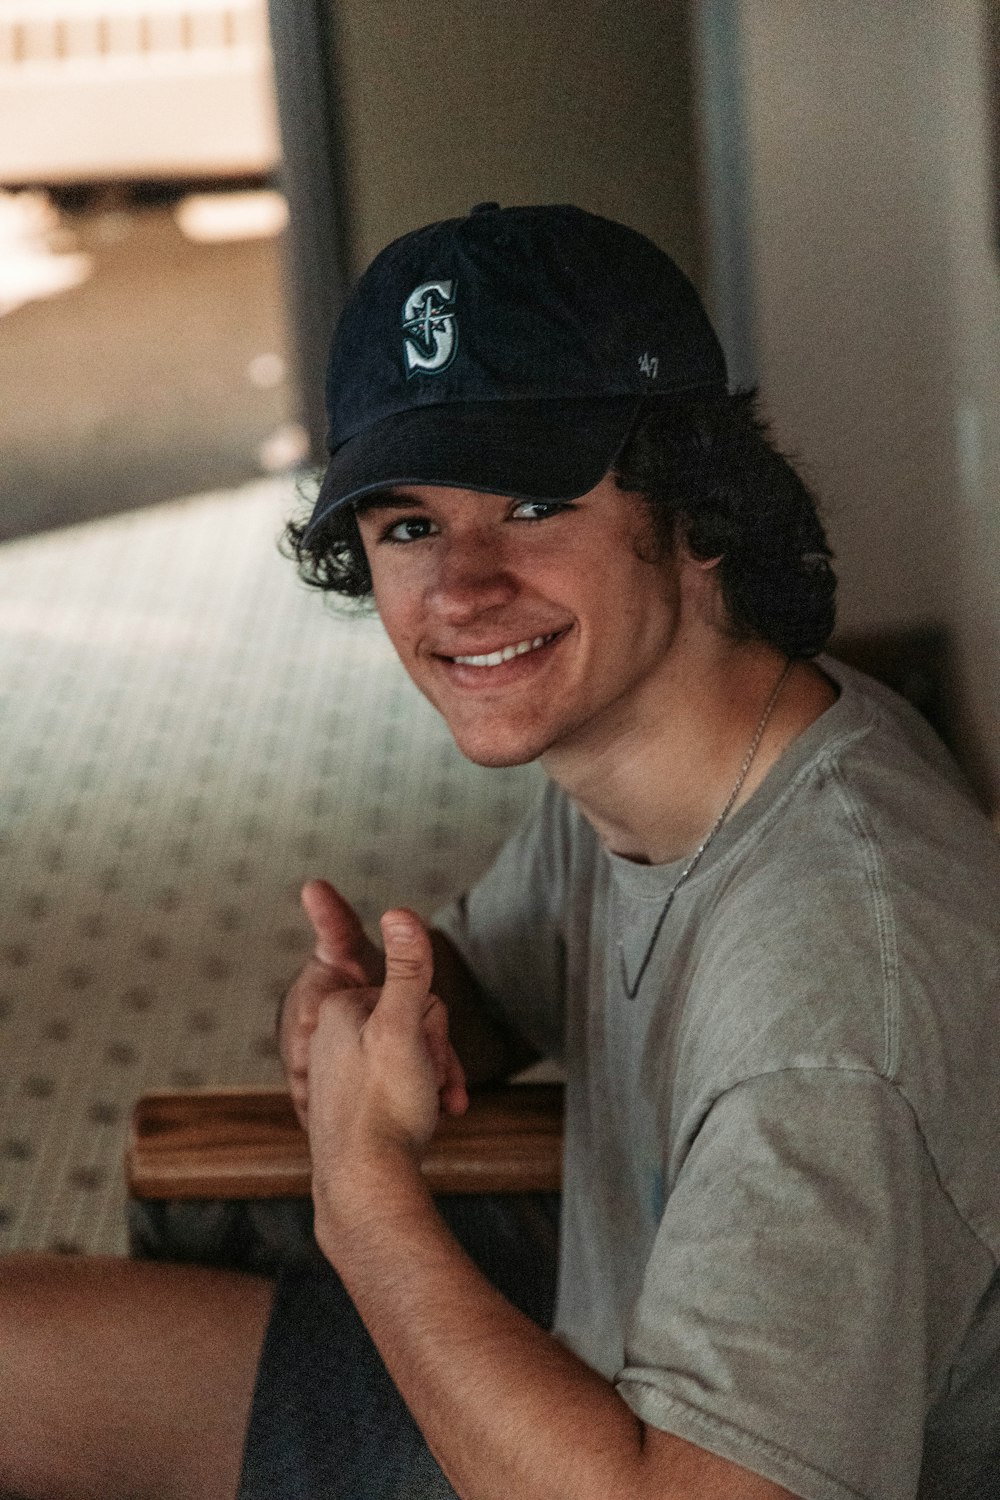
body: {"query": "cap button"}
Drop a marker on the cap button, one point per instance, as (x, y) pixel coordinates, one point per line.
(483, 208)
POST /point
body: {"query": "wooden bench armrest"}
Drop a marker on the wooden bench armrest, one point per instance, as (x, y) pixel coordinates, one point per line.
(247, 1143)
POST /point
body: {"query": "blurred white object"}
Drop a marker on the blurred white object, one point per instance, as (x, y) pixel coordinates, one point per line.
(213, 217)
(286, 448)
(95, 90)
(266, 371)
(29, 269)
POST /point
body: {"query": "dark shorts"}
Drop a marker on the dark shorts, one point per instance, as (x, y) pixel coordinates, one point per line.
(326, 1422)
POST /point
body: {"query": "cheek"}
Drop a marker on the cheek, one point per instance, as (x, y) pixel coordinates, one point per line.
(394, 603)
(651, 611)
(397, 624)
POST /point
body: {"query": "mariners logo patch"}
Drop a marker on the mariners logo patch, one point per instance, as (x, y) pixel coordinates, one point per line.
(430, 328)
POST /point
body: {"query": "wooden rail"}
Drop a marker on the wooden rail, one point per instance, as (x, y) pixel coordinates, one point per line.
(246, 1143)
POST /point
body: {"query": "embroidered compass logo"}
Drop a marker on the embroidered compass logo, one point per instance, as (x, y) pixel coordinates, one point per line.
(429, 323)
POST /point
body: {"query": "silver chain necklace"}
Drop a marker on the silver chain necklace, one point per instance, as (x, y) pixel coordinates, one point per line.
(632, 990)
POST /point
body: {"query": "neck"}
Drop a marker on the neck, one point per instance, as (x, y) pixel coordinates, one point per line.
(654, 782)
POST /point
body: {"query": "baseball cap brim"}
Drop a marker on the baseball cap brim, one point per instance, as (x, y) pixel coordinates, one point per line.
(530, 450)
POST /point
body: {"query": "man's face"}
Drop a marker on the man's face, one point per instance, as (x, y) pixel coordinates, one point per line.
(534, 627)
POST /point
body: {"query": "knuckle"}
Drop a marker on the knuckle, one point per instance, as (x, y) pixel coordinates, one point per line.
(407, 965)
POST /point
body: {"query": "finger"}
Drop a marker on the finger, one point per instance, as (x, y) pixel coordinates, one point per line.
(340, 938)
(455, 1098)
(448, 1071)
(454, 1092)
(409, 964)
(341, 1019)
(435, 1027)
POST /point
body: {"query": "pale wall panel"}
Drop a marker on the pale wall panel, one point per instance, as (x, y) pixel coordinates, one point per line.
(447, 102)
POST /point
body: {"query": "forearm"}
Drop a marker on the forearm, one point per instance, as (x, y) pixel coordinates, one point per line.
(488, 1051)
(504, 1407)
(507, 1411)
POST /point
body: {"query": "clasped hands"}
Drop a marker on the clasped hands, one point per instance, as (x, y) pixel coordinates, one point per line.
(365, 1047)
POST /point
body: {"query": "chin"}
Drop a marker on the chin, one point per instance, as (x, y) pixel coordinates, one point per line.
(496, 758)
(496, 752)
(499, 762)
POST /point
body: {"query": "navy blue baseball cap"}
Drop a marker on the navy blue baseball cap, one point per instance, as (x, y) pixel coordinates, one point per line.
(510, 351)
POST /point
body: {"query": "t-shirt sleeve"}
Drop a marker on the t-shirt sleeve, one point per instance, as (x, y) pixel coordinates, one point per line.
(509, 926)
(783, 1316)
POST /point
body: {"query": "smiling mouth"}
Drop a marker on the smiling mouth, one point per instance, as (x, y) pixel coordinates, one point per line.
(507, 653)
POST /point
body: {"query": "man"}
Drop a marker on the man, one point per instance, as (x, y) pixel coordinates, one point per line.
(756, 916)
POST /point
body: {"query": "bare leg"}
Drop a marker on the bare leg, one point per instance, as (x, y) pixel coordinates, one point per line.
(125, 1379)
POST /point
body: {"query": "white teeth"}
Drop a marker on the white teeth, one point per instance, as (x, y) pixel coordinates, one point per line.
(495, 658)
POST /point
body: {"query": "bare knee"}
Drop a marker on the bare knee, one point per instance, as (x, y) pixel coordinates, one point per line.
(125, 1378)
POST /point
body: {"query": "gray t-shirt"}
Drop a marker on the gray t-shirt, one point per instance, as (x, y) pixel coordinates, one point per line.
(781, 1217)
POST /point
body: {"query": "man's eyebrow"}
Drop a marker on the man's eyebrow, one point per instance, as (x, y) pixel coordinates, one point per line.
(385, 500)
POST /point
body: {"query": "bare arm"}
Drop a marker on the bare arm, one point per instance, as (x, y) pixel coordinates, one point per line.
(504, 1407)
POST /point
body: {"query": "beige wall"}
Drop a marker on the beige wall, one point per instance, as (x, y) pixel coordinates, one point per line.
(877, 311)
(972, 213)
(851, 270)
(448, 102)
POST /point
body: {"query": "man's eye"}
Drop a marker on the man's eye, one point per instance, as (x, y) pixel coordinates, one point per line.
(409, 529)
(538, 510)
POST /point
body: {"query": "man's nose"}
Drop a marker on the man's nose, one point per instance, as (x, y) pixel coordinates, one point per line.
(472, 576)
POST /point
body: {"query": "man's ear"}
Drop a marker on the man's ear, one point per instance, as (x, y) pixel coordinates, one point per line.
(698, 565)
(704, 588)
(682, 548)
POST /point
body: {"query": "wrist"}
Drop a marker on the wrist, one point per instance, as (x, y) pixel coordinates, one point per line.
(367, 1199)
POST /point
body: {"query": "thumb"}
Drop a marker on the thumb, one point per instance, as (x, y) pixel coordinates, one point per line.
(340, 938)
(409, 965)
